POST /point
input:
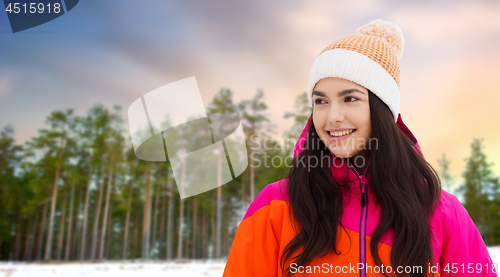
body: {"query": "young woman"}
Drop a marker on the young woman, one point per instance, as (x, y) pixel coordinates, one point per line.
(360, 199)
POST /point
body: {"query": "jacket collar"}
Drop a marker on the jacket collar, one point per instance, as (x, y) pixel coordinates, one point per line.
(342, 170)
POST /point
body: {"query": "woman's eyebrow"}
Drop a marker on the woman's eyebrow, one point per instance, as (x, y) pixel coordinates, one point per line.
(342, 93)
(318, 93)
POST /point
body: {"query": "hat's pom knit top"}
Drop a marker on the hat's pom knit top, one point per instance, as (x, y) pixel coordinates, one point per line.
(385, 30)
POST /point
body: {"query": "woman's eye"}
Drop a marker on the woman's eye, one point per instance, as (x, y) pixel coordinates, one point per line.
(349, 97)
(319, 101)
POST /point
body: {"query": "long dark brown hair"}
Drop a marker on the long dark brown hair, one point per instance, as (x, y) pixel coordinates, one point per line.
(404, 183)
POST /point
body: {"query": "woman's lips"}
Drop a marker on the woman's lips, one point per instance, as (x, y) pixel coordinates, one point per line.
(335, 139)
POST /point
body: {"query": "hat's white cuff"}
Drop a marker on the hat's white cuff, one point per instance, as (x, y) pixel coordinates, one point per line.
(358, 68)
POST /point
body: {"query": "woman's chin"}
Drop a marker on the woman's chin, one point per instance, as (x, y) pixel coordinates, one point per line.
(343, 154)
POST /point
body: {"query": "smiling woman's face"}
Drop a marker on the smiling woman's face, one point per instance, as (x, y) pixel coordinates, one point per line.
(341, 105)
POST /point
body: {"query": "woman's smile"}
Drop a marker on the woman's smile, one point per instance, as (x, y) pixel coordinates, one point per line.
(340, 134)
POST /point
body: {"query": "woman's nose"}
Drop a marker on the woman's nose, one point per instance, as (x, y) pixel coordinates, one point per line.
(335, 115)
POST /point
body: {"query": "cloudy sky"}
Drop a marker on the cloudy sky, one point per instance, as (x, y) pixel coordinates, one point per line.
(114, 51)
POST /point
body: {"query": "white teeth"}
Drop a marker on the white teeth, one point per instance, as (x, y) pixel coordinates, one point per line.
(343, 133)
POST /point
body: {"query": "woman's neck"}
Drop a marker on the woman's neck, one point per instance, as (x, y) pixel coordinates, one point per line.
(360, 161)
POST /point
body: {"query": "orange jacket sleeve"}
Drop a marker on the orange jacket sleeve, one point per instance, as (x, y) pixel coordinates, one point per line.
(254, 251)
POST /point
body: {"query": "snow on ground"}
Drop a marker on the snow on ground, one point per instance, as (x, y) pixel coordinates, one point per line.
(110, 269)
(495, 254)
(132, 268)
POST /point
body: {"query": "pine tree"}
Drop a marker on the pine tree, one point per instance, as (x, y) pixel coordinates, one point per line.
(54, 141)
(12, 193)
(300, 116)
(444, 174)
(254, 123)
(221, 105)
(481, 192)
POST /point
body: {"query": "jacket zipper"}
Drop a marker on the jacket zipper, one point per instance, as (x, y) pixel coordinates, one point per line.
(363, 219)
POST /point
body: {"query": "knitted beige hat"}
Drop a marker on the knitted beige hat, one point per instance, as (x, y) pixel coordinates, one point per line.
(370, 58)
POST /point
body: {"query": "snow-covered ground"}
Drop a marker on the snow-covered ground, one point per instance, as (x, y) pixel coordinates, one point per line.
(495, 254)
(109, 269)
(131, 268)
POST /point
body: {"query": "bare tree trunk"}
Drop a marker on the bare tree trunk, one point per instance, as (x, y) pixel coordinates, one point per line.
(194, 226)
(213, 225)
(17, 242)
(109, 237)
(127, 216)
(27, 241)
(70, 223)
(34, 240)
(135, 238)
(219, 203)
(97, 215)
(186, 230)
(202, 235)
(156, 191)
(252, 172)
(85, 216)
(147, 216)
(181, 210)
(42, 233)
(170, 223)
(162, 218)
(243, 201)
(205, 235)
(106, 208)
(60, 241)
(76, 236)
(227, 224)
(48, 246)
